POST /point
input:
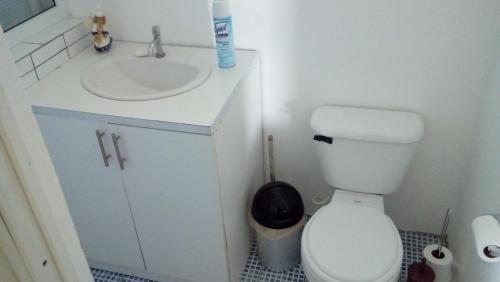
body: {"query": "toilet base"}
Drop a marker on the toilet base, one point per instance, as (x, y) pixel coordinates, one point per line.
(315, 275)
(313, 272)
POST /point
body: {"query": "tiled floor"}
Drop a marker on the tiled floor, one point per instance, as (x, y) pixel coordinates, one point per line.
(107, 276)
(413, 243)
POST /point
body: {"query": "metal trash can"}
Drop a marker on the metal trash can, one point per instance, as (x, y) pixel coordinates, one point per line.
(277, 215)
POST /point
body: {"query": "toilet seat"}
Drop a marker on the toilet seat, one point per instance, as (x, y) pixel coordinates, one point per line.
(348, 242)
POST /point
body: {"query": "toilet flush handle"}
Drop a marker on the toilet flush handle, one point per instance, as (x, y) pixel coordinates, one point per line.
(316, 200)
(322, 138)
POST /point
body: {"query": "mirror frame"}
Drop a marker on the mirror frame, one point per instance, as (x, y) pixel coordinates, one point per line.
(31, 16)
(37, 23)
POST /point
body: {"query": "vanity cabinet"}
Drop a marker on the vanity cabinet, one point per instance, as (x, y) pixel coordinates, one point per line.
(172, 184)
(95, 194)
(160, 188)
(141, 198)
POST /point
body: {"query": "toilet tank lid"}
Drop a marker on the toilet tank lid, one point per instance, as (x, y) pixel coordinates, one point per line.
(376, 125)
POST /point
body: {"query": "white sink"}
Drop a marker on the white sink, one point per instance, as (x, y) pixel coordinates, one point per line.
(139, 79)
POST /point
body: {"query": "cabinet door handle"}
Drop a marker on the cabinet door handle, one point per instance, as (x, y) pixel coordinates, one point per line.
(105, 157)
(121, 160)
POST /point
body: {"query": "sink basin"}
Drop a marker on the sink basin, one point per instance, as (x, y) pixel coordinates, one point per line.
(139, 79)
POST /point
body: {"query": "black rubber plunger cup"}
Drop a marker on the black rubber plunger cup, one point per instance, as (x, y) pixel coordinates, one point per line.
(420, 272)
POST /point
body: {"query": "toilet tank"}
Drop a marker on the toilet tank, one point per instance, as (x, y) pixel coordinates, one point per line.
(365, 150)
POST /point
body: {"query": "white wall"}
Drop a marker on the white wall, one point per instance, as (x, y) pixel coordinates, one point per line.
(7, 273)
(183, 22)
(427, 56)
(481, 192)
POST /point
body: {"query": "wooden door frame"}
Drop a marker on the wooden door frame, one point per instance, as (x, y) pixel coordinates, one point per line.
(30, 195)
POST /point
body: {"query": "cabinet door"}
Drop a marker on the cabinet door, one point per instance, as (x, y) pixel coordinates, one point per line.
(171, 180)
(95, 194)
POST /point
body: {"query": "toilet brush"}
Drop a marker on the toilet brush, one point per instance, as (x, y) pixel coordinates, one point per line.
(438, 257)
(438, 251)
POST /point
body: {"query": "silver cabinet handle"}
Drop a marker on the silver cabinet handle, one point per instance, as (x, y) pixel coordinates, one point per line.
(121, 160)
(105, 157)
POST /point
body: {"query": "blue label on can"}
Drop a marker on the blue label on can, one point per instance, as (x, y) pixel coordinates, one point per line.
(224, 40)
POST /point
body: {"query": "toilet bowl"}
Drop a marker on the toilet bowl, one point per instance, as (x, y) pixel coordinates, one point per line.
(351, 240)
(364, 154)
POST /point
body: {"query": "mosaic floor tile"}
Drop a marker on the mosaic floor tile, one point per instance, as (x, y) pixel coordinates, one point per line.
(413, 244)
(108, 276)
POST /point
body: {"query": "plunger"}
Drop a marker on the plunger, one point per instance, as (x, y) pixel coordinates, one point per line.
(420, 272)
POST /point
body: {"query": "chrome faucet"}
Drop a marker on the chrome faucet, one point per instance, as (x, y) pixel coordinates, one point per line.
(155, 48)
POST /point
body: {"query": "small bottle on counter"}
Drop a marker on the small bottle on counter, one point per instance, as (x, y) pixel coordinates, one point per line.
(223, 28)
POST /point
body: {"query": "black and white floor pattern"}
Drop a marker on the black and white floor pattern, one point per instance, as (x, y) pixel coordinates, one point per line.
(413, 243)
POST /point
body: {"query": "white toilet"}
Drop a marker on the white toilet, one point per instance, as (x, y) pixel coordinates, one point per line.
(364, 154)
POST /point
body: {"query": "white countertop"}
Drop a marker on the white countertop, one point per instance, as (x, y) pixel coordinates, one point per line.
(195, 111)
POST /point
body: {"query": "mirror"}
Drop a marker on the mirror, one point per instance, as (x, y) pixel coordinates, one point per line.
(15, 12)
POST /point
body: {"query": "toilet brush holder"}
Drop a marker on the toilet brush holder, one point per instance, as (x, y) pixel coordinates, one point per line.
(440, 262)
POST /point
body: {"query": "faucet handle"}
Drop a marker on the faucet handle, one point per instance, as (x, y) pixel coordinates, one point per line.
(156, 31)
(156, 44)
